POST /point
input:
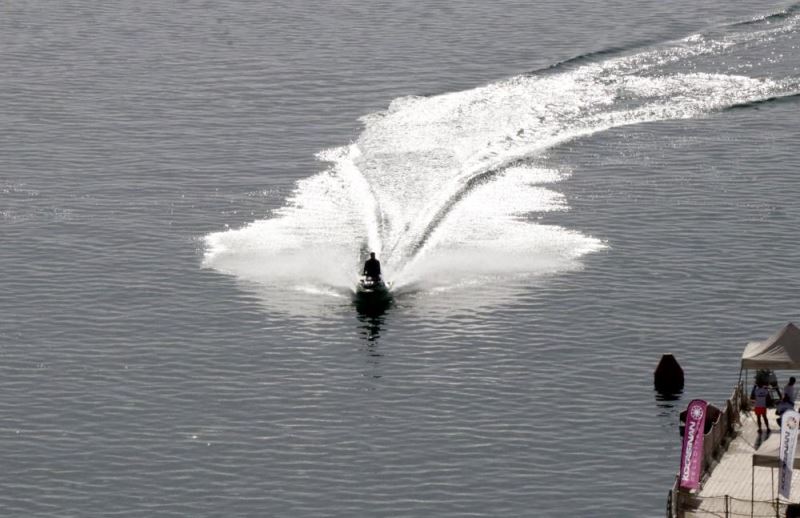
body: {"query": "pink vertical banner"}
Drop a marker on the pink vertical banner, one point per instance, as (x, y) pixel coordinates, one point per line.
(692, 451)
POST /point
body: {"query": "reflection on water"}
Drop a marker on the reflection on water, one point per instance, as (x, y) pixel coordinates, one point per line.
(371, 327)
(372, 315)
(668, 409)
(665, 400)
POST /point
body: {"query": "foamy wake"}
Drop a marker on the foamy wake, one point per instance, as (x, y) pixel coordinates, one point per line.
(442, 187)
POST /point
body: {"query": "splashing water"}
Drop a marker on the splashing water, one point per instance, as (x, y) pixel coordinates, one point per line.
(439, 187)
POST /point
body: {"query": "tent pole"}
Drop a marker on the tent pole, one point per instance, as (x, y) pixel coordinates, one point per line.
(772, 487)
(741, 389)
(752, 489)
(746, 394)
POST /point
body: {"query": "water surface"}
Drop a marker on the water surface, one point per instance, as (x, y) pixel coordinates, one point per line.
(561, 193)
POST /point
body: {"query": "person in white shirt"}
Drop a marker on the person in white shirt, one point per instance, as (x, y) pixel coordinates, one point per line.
(783, 406)
(790, 390)
(759, 395)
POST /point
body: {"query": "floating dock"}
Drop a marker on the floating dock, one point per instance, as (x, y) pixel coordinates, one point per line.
(740, 465)
(732, 486)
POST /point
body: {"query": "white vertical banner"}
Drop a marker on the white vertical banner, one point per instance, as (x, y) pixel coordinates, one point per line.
(790, 420)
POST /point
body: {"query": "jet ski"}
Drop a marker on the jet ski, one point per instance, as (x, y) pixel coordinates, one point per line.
(372, 296)
(371, 287)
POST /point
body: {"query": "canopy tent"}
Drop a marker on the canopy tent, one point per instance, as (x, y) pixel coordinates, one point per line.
(780, 351)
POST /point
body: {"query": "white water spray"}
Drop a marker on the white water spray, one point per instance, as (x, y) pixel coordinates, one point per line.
(440, 186)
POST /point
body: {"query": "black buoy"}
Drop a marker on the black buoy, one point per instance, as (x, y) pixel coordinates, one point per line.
(668, 376)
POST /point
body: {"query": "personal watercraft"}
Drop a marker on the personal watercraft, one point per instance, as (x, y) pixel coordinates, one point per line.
(372, 287)
(372, 296)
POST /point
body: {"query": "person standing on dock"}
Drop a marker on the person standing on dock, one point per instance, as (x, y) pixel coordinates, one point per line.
(790, 390)
(759, 395)
(782, 407)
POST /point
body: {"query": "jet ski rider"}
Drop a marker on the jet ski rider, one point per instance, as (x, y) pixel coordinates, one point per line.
(372, 268)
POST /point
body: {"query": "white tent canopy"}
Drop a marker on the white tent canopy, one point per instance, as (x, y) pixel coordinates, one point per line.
(780, 351)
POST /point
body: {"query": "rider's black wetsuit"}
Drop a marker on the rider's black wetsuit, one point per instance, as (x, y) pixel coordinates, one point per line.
(372, 268)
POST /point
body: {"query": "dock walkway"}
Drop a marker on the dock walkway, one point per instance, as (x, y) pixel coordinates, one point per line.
(727, 491)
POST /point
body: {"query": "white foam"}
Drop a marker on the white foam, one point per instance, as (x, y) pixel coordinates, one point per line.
(440, 186)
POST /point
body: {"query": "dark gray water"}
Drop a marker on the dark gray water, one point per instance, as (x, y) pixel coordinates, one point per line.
(559, 192)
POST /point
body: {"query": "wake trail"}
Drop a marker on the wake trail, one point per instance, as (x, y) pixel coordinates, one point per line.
(613, 52)
(439, 186)
(779, 16)
(790, 97)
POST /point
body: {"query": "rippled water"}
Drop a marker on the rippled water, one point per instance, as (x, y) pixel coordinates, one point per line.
(561, 194)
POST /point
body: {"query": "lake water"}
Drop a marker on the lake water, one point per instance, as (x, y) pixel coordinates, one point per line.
(559, 193)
